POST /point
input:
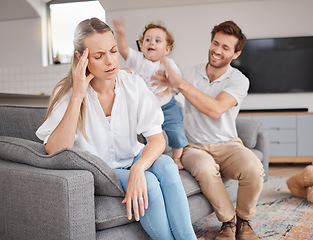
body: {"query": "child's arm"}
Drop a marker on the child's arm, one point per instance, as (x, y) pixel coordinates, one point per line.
(122, 44)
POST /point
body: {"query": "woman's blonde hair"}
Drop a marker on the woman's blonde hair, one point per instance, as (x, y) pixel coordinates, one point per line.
(83, 30)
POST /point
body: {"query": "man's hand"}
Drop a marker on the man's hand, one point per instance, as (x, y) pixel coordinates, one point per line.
(173, 80)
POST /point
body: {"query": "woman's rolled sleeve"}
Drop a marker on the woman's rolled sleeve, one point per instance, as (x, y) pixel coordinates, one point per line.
(150, 116)
(155, 129)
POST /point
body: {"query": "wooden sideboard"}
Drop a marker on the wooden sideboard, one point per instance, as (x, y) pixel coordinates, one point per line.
(290, 134)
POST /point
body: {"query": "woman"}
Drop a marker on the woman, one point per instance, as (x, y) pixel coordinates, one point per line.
(100, 109)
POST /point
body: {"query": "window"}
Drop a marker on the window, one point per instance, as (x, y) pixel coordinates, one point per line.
(64, 18)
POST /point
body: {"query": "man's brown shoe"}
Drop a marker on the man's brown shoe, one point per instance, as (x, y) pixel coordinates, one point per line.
(245, 230)
(228, 231)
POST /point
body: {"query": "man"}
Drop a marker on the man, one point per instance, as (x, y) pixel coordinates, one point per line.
(214, 93)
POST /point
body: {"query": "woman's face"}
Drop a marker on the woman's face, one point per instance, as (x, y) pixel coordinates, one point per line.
(103, 55)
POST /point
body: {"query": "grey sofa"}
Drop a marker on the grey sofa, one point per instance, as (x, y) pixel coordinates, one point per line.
(74, 195)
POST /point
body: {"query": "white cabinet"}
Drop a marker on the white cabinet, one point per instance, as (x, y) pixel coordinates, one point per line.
(305, 135)
(290, 135)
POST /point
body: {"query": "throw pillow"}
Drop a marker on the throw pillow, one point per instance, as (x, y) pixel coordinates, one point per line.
(247, 130)
(32, 153)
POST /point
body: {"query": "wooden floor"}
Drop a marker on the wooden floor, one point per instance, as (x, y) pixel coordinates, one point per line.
(286, 169)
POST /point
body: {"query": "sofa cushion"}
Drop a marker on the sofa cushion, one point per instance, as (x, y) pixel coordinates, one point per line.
(190, 184)
(21, 121)
(110, 212)
(34, 154)
(248, 131)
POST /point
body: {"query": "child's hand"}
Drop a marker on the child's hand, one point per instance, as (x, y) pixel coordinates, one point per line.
(120, 35)
(178, 163)
(118, 25)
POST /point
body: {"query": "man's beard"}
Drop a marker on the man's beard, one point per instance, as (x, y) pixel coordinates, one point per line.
(221, 63)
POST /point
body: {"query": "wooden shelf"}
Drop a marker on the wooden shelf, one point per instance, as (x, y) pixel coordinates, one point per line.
(273, 113)
(291, 159)
(24, 99)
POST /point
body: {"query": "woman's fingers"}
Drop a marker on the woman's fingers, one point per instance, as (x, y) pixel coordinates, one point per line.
(136, 209)
(80, 80)
(128, 207)
(141, 206)
(146, 201)
(136, 205)
(82, 60)
(136, 198)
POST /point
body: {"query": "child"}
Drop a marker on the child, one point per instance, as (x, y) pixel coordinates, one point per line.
(156, 42)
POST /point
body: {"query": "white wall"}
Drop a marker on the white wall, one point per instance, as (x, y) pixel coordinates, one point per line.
(191, 27)
(21, 66)
(20, 43)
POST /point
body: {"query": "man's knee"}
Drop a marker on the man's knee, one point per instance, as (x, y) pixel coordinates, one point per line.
(250, 164)
(252, 171)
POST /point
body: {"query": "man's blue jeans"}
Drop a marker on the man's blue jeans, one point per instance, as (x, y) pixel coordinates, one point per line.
(167, 216)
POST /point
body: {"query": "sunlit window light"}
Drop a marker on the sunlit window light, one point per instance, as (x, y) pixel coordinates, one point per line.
(64, 19)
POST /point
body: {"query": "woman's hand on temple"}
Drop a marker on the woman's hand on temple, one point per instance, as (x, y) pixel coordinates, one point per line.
(80, 80)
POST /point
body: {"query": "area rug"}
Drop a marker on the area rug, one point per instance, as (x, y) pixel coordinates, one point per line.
(279, 215)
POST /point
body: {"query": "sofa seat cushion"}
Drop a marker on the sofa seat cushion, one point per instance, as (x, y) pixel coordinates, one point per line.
(190, 184)
(34, 154)
(111, 212)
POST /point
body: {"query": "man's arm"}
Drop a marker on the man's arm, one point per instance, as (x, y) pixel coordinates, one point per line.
(121, 40)
(212, 107)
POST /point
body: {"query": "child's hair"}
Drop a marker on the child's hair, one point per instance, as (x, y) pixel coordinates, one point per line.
(83, 30)
(231, 28)
(169, 36)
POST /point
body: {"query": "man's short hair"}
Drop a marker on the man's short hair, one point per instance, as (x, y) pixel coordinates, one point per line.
(231, 28)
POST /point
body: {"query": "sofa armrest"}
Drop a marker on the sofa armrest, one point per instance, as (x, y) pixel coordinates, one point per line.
(37, 203)
(248, 130)
(255, 139)
(262, 145)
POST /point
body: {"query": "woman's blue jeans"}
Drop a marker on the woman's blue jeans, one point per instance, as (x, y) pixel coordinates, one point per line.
(167, 216)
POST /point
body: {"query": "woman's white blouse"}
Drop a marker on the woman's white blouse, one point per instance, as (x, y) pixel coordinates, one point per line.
(135, 111)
